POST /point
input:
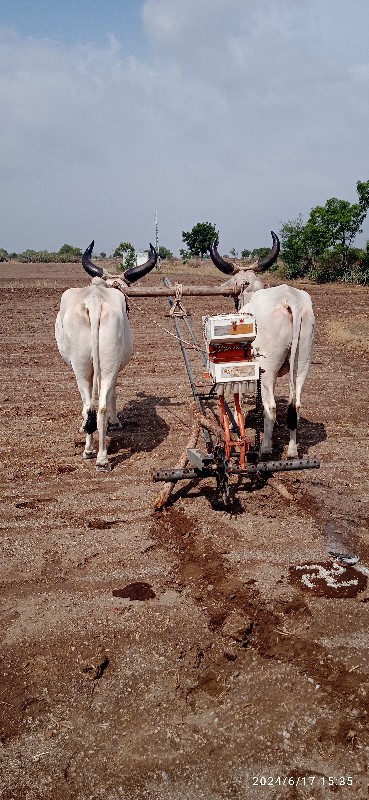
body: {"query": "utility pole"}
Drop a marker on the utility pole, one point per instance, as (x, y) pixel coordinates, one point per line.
(157, 240)
(156, 232)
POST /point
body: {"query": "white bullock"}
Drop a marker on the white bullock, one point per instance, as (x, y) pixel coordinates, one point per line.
(94, 338)
(285, 326)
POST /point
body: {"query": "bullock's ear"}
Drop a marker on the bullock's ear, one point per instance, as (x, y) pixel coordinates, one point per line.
(93, 270)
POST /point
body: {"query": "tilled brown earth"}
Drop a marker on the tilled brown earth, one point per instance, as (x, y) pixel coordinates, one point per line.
(177, 655)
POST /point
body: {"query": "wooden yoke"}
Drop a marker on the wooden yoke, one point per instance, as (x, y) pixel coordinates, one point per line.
(187, 291)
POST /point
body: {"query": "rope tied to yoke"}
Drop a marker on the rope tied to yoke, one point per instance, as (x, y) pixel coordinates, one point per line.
(118, 283)
(178, 309)
(193, 346)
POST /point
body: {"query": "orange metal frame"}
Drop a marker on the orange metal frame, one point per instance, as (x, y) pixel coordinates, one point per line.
(241, 441)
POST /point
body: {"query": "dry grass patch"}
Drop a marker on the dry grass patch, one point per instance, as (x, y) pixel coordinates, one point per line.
(352, 333)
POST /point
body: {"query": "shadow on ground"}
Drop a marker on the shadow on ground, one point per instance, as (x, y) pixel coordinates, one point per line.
(143, 428)
(309, 434)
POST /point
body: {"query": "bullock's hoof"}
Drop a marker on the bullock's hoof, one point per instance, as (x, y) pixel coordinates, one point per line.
(292, 453)
(113, 427)
(103, 467)
(89, 454)
(265, 454)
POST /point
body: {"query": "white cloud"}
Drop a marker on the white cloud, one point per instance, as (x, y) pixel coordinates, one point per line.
(241, 112)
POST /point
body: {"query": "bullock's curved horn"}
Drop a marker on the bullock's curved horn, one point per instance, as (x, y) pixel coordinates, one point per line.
(92, 269)
(133, 274)
(219, 262)
(264, 263)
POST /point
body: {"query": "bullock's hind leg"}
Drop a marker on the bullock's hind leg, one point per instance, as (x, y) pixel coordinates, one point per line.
(89, 451)
(89, 423)
(113, 424)
(293, 414)
(267, 396)
(302, 369)
(102, 463)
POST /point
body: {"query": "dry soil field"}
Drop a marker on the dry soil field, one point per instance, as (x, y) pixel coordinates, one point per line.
(223, 677)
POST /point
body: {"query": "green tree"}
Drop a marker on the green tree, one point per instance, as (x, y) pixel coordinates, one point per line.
(335, 225)
(233, 252)
(28, 256)
(245, 253)
(4, 255)
(321, 248)
(122, 248)
(260, 252)
(294, 248)
(126, 252)
(164, 253)
(199, 239)
(361, 268)
(102, 254)
(70, 252)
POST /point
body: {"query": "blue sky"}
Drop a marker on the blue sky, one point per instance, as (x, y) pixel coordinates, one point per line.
(243, 113)
(75, 22)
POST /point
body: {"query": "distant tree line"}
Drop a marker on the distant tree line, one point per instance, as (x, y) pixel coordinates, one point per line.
(320, 249)
(67, 253)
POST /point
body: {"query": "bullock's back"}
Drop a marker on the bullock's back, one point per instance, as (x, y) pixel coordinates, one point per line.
(88, 313)
(264, 300)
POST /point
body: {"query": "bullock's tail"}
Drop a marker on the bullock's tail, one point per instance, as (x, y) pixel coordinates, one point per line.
(292, 416)
(93, 308)
(296, 311)
(90, 425)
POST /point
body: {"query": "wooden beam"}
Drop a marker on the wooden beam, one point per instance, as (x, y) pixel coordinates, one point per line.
(187, 291)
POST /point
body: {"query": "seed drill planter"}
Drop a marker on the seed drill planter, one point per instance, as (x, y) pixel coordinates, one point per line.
(229, 360)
